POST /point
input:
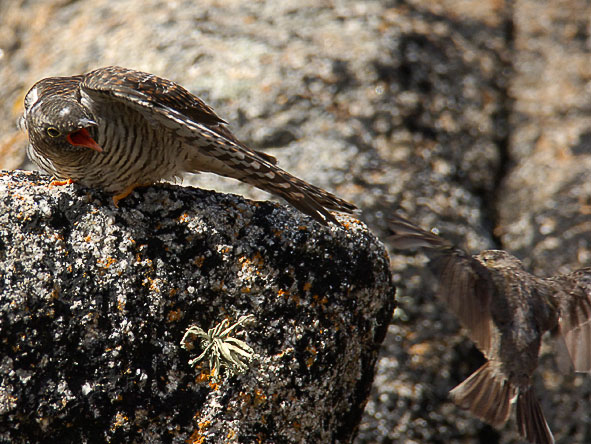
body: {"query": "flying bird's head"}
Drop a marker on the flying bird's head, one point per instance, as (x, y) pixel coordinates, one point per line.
(56, 122)
(499, 259)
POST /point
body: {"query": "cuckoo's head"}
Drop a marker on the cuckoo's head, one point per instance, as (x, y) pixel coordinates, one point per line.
(55, 120)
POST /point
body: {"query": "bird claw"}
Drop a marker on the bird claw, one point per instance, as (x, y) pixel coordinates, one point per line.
(59, 183)
(126, 192)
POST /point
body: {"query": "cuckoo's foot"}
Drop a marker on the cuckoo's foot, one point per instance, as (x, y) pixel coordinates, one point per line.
(59, 183)
(127, 191)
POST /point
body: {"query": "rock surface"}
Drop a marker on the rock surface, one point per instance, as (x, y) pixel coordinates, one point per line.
(471, 116)
(94, 301)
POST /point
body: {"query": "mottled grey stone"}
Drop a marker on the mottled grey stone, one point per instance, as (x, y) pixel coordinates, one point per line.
(94, 301)
(471, 116)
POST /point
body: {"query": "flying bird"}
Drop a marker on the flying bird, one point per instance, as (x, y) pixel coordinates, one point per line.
(116, 129)
(505, 311)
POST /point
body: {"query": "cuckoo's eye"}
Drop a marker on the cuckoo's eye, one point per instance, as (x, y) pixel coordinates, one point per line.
(53, 132)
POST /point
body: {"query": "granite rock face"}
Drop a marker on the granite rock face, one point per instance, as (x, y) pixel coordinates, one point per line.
(94, 301)
(470, 116)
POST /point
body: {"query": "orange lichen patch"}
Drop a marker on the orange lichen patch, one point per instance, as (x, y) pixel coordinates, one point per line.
(255, 398)
(231, 434)
(121, 304)
(106, 263)
(307, 286)
(259, 397)
(202, 377)
(246, 398)
(311, 359)
(296, 298)
(225, 250)
(351, 223)
(320, 300)
(55, 293)
(152, 284)
(283, 293)
(245, 290)
(120, 420)
(174, 315)
(197, 436)
(258, 259)
(205, 376)
(172, 292)
(253, 264)
(183, 217)
(199, 260)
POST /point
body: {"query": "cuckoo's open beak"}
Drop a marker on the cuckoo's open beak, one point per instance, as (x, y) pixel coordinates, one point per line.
(83, 138)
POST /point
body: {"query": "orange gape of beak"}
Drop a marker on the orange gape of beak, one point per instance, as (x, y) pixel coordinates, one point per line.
(82, 138)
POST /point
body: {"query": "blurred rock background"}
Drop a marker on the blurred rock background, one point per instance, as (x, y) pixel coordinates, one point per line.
(472, 116)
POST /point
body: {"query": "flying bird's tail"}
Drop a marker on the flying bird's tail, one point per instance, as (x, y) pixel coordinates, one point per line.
(530, 418)
(486, 394)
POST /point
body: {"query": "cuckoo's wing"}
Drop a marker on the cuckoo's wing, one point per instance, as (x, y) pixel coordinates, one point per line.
(465, 285)
(161, 99)
(573, 298)
(172, 106)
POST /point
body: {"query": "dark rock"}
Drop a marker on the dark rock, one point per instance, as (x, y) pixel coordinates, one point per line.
(94, 301)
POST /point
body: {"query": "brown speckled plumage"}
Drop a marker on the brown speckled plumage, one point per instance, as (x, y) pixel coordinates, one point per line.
(506, 310)
(146, 129)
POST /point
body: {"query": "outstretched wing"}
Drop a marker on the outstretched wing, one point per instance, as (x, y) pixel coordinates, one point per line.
(465, 285)
(574, 304)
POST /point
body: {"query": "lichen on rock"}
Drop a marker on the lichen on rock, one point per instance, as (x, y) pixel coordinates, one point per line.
(94, 301)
